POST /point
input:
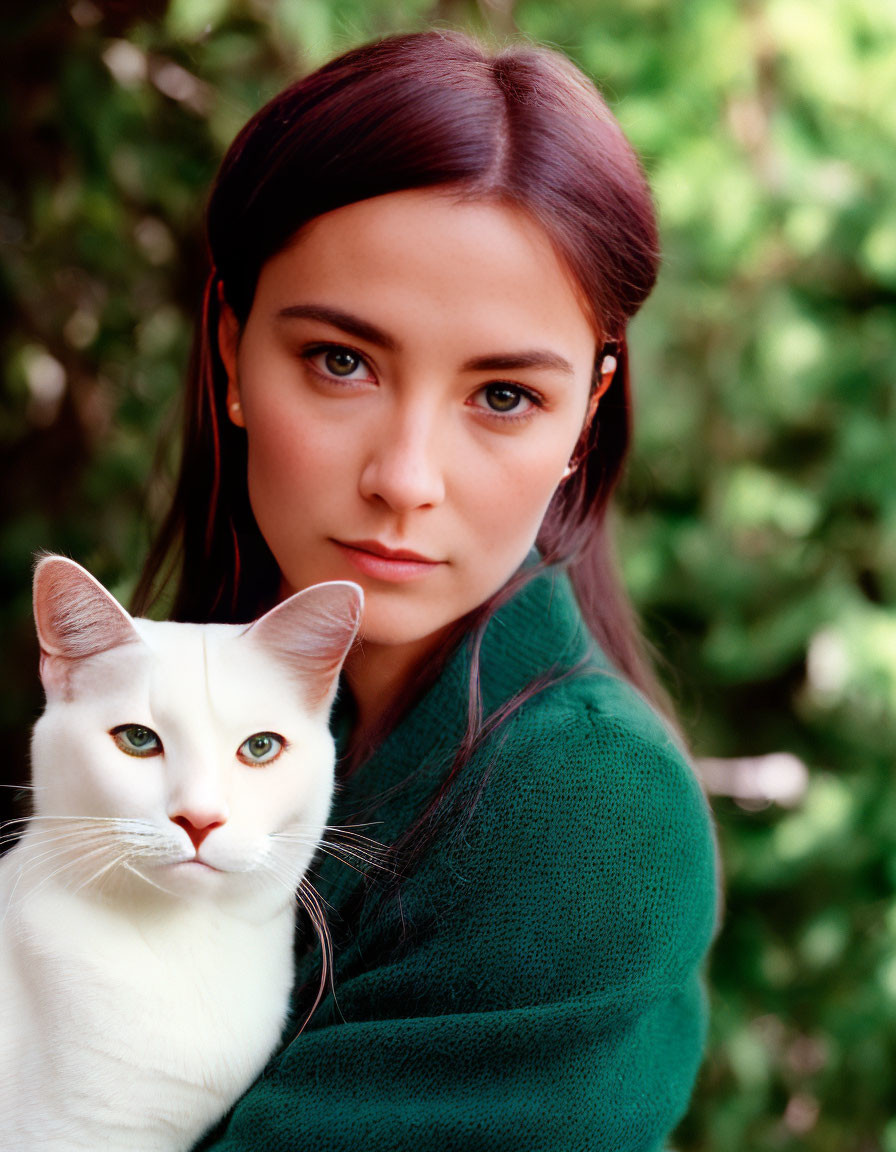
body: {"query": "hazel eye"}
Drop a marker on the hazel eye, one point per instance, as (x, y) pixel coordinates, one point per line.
(136, 740)
(506, 399)
(341, 362)
(262, 748)
(336, 362)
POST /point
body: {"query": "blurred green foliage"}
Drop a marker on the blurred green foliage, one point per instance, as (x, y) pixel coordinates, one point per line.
(758, 522)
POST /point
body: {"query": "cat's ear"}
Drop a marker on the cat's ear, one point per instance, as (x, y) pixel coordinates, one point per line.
(311, 633)
(75, 617)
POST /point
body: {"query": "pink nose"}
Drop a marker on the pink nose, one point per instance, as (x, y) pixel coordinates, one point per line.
(196, 832)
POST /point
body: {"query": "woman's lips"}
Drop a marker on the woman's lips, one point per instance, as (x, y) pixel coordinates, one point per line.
(382, 563)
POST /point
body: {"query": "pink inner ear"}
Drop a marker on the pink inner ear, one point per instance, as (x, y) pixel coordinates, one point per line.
(74, 614)
(311, 633)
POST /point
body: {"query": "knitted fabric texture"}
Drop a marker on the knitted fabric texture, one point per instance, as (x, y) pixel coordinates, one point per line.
(538, 984)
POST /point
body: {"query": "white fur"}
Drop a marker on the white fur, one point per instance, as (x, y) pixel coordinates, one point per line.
(141, 991)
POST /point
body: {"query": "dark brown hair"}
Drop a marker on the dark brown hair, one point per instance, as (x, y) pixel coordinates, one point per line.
(521, 127)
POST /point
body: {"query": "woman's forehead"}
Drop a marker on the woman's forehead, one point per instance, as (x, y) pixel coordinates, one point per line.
(422, 253)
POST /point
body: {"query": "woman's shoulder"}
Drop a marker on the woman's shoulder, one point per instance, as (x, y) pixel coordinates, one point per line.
(590, 798)
(566, 702)
(584, 761)
(585, 858)
(590, 738)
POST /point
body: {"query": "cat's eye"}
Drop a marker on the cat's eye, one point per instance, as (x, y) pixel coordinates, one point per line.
(136, 740)
(261, 748)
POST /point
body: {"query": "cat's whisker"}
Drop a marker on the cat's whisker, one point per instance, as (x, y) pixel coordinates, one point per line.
(89, 844)
(325, 904)
(48, 879)
(286, 845)
(15, 820)
(50, 848)
(49, 853)
(75, 836)
(283, 873)
(349, 860)
(352, 829)
(296, 829)
(363, 851)
(345, 833)
(85, 830)
(310, 900)
(283, 847)
(343, 840)
(72, 867)
(375, 854)
(117, 820)
(28, 864)
(75, 828)
(33, 842)
(10, 837)
(135, 871)
(102, 872)
(340, 852)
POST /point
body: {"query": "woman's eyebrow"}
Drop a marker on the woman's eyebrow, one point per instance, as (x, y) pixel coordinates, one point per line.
(364, 330)
(513, 361)
(335, 317)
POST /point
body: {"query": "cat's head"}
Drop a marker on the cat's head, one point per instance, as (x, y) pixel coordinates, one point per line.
(187, 756)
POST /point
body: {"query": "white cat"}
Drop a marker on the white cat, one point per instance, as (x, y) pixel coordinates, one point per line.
(183, 774)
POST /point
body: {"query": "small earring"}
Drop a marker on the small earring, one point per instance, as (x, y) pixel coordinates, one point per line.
(235, 406)
(570, 468)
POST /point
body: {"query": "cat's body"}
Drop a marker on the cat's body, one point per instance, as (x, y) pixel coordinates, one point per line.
(182, 776)
(144, 1053)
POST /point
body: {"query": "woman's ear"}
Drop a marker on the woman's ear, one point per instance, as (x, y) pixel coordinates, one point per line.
(228, 343)
(605, 374)
(604, 378)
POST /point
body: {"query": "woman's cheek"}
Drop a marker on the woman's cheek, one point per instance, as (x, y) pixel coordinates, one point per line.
(289, 455)
(517, 499)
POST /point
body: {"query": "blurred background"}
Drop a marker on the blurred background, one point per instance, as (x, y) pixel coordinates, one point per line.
(758, 522)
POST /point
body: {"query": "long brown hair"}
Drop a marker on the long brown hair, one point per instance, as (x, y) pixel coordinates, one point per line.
(521, 127)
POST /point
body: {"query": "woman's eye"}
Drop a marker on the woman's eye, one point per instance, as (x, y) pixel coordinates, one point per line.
(339, 363)
(261, 748)
(506, 399)
(136, 740)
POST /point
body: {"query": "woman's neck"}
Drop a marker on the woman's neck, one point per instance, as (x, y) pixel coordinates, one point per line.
(382, 677)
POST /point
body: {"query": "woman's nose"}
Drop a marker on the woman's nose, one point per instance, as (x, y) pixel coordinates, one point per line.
(403, 467)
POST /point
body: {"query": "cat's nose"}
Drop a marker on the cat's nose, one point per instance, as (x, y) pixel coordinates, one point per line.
(197, 827)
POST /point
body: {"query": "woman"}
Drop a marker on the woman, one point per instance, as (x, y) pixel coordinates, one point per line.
(411, 370)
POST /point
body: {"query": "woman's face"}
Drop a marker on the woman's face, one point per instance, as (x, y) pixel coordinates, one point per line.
(413, 378)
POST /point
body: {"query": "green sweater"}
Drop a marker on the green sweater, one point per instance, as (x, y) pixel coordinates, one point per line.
(537, 986)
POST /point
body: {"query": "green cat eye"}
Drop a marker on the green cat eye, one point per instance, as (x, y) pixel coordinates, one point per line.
(136, 740)
(261, 748)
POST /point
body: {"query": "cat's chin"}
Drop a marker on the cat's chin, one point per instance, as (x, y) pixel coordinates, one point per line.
(195, 863)
(191, 872)
(185, 883)
(198, 878)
